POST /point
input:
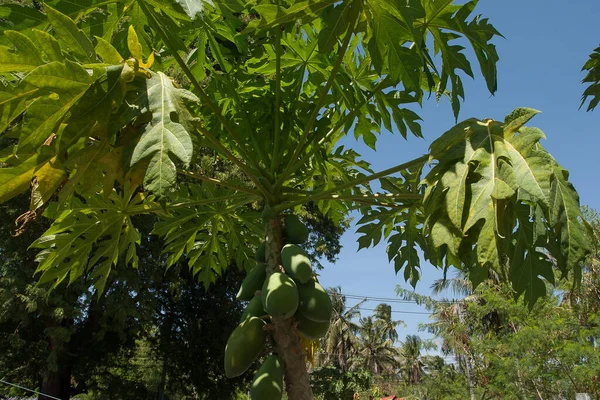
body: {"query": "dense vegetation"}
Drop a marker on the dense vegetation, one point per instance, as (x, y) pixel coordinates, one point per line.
(154, 134)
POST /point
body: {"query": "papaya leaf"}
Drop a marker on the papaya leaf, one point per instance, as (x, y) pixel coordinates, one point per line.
(90, 236)
(68, 32)
(26, 56)
(592, 92)
(566, 219)
(272, 15)
(67, 82)
(163, 137)
(211, 237)
(488, 177)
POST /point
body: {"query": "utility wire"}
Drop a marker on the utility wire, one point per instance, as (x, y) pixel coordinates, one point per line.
(397, 311)
(388, 299)
(28, 390)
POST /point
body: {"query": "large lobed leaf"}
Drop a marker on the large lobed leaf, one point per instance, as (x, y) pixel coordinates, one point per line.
(496, 197)
(90, 237)
(213, 234)
(163, 137)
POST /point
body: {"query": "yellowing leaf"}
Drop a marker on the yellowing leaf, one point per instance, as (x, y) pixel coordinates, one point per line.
(47, 179)
(135, 48)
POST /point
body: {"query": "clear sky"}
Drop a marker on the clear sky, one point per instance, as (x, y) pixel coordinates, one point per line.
(547, 42)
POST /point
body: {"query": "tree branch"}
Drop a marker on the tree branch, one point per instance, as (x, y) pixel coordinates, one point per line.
(321, 101)
(341, 123)
(219, 182)
(231, 157)
(356, 182)
(277, 127)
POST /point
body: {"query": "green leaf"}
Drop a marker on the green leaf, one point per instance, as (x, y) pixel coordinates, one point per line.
(210, 237)
(566, 219)
(107, 52)
(67, 31)
(489, 174)
(592, 92)
(90, 235)
(390, 54)
(272, 15)
(26, 57)
(47, 179)
(164, 137)
(68, 82)
(49, 45)
(337, 23)
(15, 180)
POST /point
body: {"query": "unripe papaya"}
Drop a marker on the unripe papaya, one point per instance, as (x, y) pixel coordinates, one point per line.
(296, 263)
(268, 380)
(261, 253)
(251, 283)
(243, 346)
(253, 309)
(315, 303)
(311, 329)
(280, 295)
(294, 230)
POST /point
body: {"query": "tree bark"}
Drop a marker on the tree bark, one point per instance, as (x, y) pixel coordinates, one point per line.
(470, 383)
(57, 383)
(285, 333)
(163, 381)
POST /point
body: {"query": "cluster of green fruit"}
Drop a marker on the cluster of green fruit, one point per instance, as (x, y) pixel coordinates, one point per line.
(293, 293)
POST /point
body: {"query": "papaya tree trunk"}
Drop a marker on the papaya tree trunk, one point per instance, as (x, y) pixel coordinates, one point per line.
(285, 334)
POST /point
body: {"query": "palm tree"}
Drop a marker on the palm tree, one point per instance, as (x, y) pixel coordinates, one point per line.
(341, 342)
(376, 350)
(383, 317)
(412, 364)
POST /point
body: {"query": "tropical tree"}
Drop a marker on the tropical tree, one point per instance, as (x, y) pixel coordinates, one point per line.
(340, 344)
(383, 318)
(100, 130)
(412, 363)
(376, 352)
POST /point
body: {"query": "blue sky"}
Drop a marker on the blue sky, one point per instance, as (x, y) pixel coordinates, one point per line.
(547, 42)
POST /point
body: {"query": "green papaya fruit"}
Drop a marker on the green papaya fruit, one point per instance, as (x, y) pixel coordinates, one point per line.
(315, 303)
(261, 253)
(294, 230)
(251, 283)
(268, 380)
(243, 346)
(253, 309)
(280, 295)
(296, 263)
(311, 329)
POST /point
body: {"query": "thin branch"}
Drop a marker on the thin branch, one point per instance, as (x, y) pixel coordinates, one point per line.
(356, 182)
(231, 157)
(144, 208)
(219, 182)
(321, 101)
(341, 123)
(276, 130)
(219, 56)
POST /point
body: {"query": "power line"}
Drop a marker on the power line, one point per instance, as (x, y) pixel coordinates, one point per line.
(388, 299)
(397, 311)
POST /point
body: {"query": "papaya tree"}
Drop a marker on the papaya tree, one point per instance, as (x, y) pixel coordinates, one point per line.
(106, 103)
